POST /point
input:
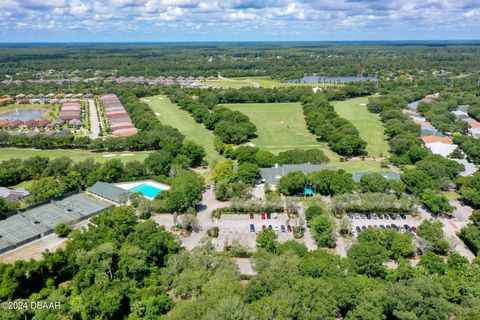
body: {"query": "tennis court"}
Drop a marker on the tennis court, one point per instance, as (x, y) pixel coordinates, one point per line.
(41, 220)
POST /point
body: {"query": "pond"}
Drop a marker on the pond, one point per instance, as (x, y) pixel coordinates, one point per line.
(339, 79)
(22, 114)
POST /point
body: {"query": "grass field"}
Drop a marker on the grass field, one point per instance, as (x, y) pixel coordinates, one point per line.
(171, 114)
(75, 155)
(280, 127)
(368, 124)
(264, 82)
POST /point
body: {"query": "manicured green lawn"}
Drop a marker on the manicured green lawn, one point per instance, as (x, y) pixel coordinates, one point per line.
(280, 127)
(368, 124)
(171, 114)
(75, 155)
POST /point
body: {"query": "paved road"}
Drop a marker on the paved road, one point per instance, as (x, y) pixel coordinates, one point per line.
(450, 227)
(209, 204)
(94, 122)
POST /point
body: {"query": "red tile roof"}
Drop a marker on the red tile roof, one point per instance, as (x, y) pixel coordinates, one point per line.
(431, 139)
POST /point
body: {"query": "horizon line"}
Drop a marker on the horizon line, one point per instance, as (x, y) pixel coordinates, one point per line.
(238, 41)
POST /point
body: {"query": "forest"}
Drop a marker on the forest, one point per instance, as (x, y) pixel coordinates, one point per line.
(279, 60)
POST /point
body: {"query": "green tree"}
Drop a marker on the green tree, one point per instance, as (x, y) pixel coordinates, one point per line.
(265, 159)
(323, 229)
(248, 172)
(435, 202)
(185, 192)
(159, 162)
(312, 212)
(267, 239)
(63, 230)
(368, 258)
(45, 189)
(224, 171)
(292, 183)
(374, 182)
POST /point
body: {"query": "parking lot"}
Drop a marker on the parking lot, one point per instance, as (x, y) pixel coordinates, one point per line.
(399, 222)
(239, 227)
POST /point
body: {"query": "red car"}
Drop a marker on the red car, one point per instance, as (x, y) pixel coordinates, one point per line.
(263, 215)
(414, 229)
(289, 228)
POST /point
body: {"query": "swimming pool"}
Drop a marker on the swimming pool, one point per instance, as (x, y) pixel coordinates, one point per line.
(147, 190)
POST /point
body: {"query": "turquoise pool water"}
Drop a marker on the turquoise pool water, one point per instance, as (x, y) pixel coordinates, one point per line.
(147, 190)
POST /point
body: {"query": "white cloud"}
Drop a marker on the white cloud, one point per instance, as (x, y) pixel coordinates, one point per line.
(274, 16)
(238, 16)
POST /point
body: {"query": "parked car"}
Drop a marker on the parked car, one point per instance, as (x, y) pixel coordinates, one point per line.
(252, 228)
(364, 228)
(270, 227)
(350, 216)
(363, 216)
(382, 226)
(357, 216)
(374, 216)
(358, 229)
(263, 215)
(289, 228)
(392, 216)
(394, 226)
(403, 216)
(414, 229)
(269, 216)
(369, 216)
(277, 228)
(263, 227)
(252, 216)
(282, 227)
(388, 226)
(386, 216)
(380, 216)
(407, 227)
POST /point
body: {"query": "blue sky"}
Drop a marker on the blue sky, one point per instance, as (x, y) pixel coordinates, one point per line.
(236, 20)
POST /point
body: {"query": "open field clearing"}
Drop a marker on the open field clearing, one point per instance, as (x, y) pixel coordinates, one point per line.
(75, 155)
(264, 82)
(171, 114)
(280, 127)
(367, 123)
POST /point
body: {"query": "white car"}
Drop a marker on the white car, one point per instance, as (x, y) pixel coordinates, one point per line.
(277, 228)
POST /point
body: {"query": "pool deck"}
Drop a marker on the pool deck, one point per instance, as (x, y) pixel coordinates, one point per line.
(133, 184)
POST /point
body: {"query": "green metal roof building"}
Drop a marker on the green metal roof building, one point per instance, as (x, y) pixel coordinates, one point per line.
(109, 192)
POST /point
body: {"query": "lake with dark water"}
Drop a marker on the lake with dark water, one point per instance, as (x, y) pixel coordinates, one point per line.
(339, 79)
(23, 115)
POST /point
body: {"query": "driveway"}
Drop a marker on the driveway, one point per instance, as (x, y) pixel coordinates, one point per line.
(204, 216)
